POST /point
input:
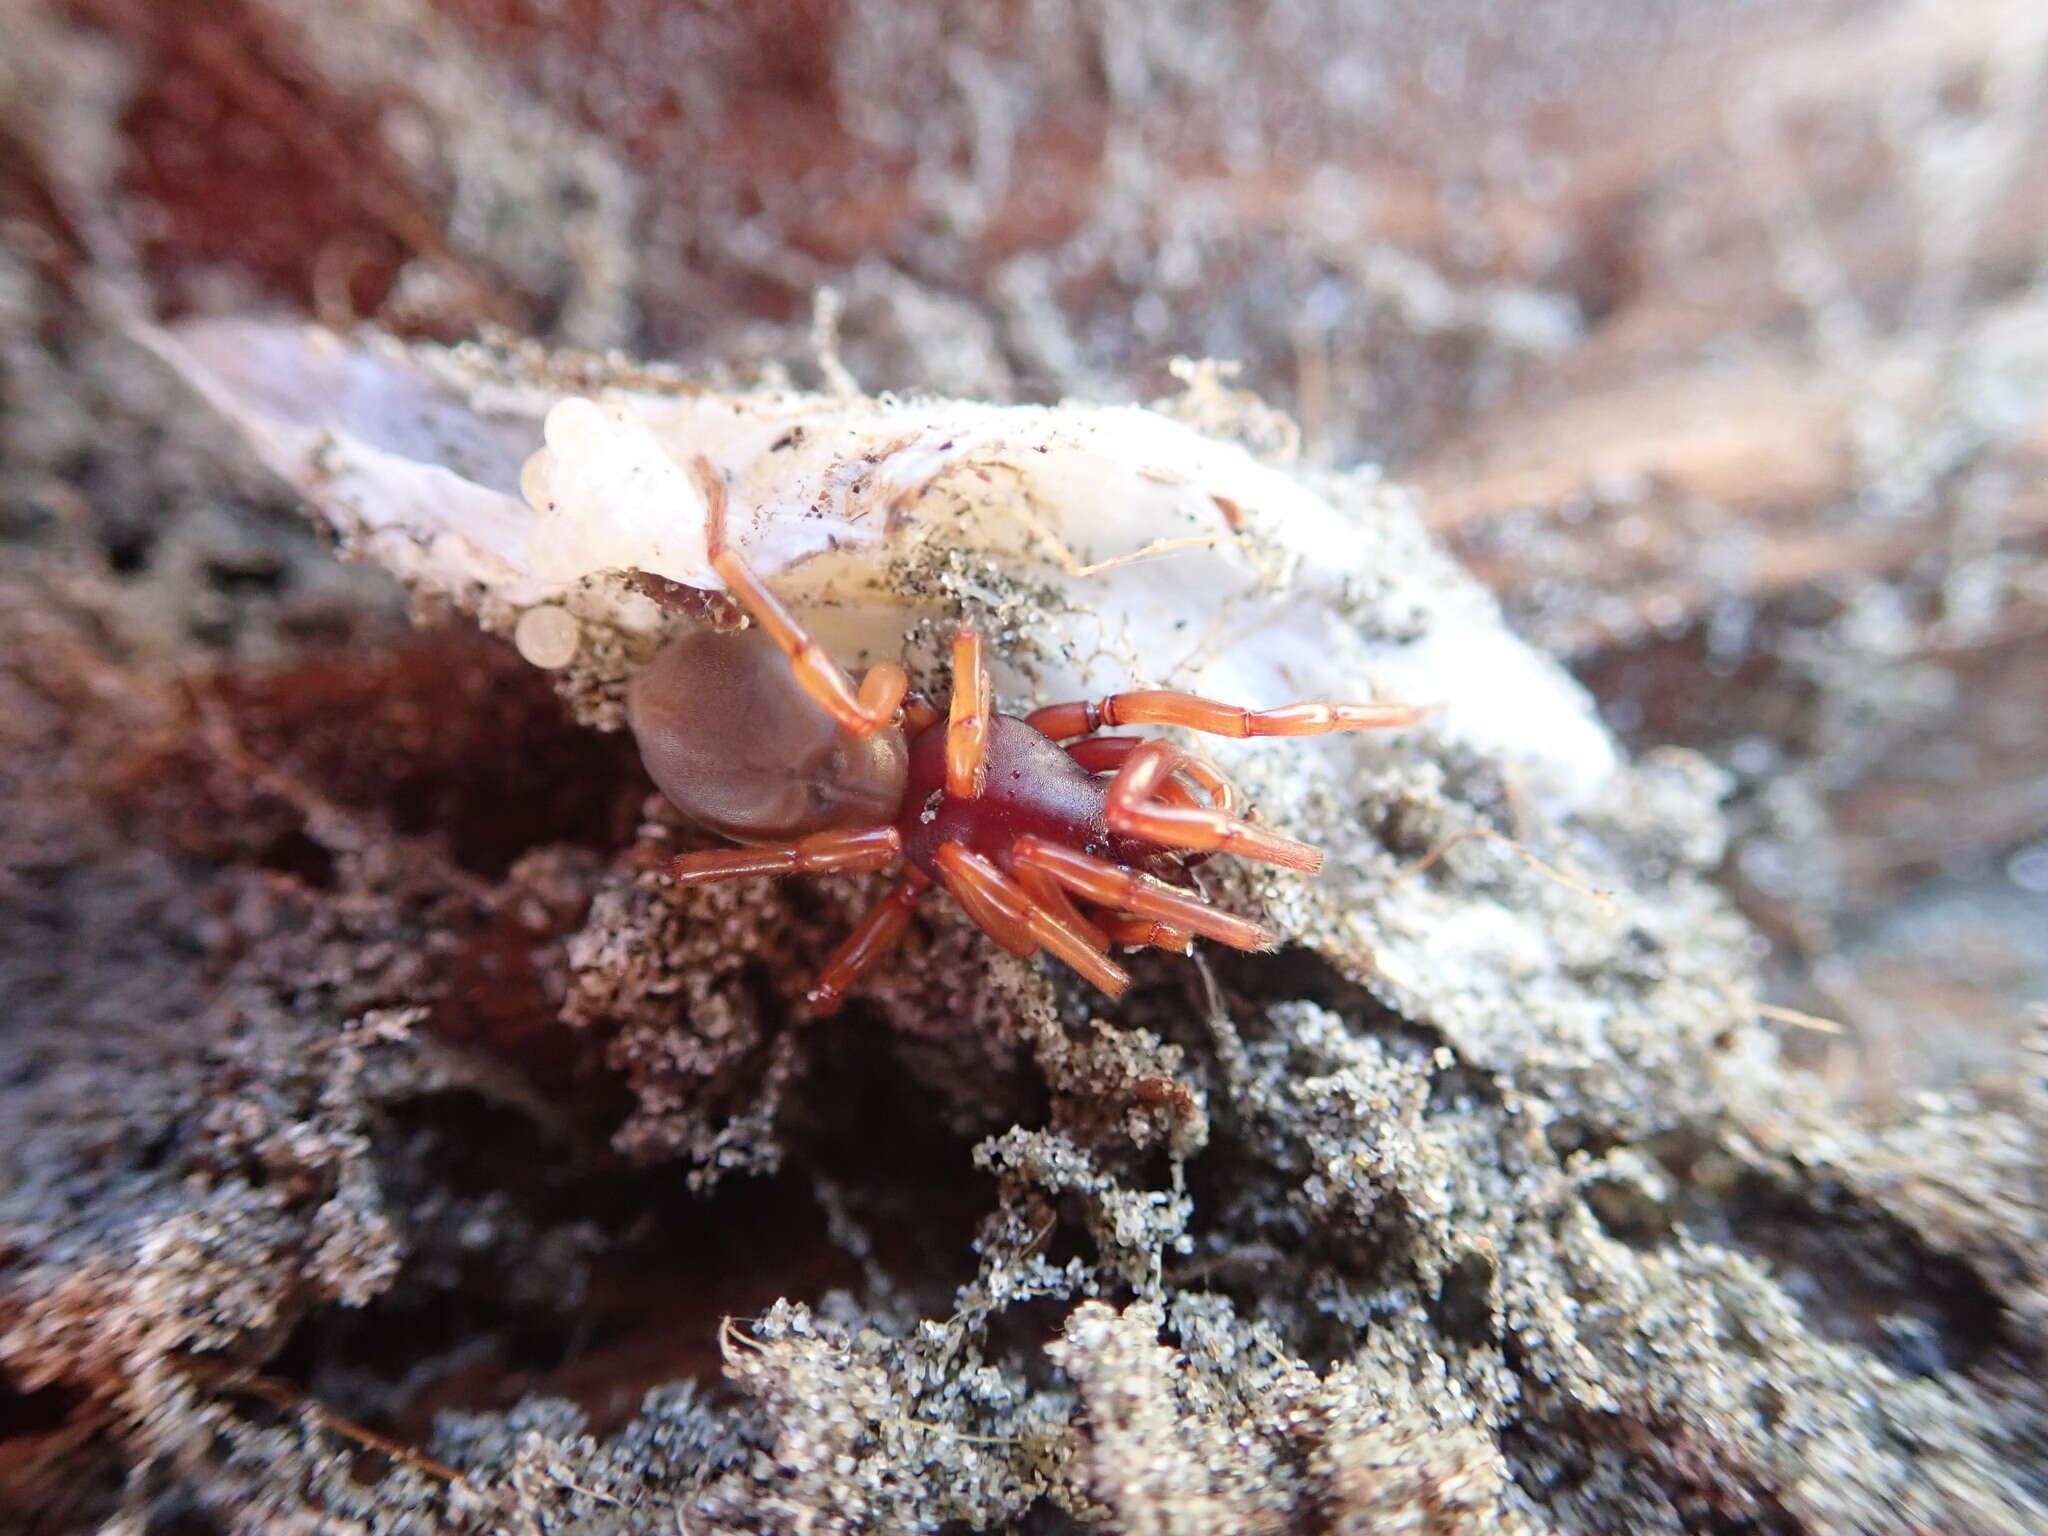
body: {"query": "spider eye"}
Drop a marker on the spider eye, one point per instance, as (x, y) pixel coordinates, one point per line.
(730, 737)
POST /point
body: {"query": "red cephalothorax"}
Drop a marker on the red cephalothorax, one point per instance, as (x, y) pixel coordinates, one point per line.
(761, 737)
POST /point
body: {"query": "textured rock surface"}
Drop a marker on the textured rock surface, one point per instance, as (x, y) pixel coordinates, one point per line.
(384, 1148)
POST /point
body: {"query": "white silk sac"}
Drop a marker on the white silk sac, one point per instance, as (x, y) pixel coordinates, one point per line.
(1101, 547)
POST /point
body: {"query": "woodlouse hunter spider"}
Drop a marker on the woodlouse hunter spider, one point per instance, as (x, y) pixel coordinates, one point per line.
(759, 735)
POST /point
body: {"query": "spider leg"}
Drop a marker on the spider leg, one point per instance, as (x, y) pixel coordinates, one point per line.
(1110, 927)
(854, 851)
(1223, 795)
(1100, 754)
(1163, 706)
(872, 938)
(1002, 909)
(1126, 890)
(1052, 896)
(1146, 933)
(1005, 923)
(1106, 754)
(1135, 810)
(860, 711)
(967, 726)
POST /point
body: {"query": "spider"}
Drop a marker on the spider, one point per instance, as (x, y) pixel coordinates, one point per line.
(1049, 835)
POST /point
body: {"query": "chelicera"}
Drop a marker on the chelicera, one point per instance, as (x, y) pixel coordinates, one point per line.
(1049, 835)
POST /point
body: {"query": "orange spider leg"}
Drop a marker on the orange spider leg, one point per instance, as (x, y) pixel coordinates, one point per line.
(1126, 890)
(1002, 909)
(1162, 706)
(860, 711)
(1003, 924)
(872, 938)
(967, 727)
(1101, 754)
(1111, 927)
(1106, 754)
(1223, 795)
(1134, 811)
(1052, 896)
(1145, 933)
(847, 852)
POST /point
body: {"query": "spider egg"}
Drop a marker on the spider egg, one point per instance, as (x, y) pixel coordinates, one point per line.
(548, 636)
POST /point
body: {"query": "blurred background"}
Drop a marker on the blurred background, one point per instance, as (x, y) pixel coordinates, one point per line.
(1714, 336)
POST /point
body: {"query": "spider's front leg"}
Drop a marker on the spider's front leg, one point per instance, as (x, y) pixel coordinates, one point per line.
(1004, 910)
(1128, 891)
(1107, 754)
(1147, 933)
(1165, 706)
(1137, 808)
(859, 711)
